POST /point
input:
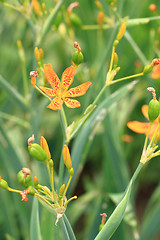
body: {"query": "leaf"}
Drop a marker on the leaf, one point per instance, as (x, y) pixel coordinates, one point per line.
(35, 231)
(13, 94)
(116, 217)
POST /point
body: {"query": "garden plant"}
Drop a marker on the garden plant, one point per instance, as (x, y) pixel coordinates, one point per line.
(74, 78)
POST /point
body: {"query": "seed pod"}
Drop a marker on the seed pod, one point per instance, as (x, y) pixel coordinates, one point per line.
(147, 69)
(153, 110)
(37, 152)
(32, 190)
(24, 181)
(75, 20)
(77, 58)
(3, 184)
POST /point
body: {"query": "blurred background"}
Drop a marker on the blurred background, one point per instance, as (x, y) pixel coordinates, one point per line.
(105, 152)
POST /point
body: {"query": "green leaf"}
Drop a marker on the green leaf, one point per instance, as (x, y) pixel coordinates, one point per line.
(13, 94)
(35, 231)
(116, 217)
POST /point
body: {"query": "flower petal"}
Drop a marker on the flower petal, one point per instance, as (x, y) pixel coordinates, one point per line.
(67, 78)
(52, 78)
(156, 72)
(78, 91)
(138, 127)
(50, 92)
(71, 103)
(56, 104)
(145, 111)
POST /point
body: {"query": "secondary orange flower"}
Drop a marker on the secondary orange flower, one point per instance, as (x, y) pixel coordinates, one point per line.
(142, 127)
(59, 91)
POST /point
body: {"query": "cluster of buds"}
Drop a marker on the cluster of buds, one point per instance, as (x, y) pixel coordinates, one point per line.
(57, 202)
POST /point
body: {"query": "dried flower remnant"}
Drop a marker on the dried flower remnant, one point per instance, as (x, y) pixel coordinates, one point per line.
(24, 194)
(30, 140)
(59, 92)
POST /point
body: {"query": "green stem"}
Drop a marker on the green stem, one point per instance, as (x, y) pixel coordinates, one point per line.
(99, 95)
(97, 27)
(14, 119)
(126, 78)
(52, 186)
(61, 168)
(146, 139)
(63, 122)
(67, 185)
(65, 229)
(138, 169)
(43, 199)
(111, 63)
(152, 140)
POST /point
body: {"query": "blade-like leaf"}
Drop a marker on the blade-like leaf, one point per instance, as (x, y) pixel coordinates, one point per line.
(35, 232)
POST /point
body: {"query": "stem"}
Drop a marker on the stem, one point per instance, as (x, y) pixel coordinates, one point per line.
(72, 198)
(63, 122)
(111, 63)
(14, 119)
(138, 169)
(47, 202)
(99, 95)
(146, 139)
(67, 185)
(52, 186)
(61, 168)
(126, 78)
(152, 140)
(13, 190)
(65, 229)
(97, 27)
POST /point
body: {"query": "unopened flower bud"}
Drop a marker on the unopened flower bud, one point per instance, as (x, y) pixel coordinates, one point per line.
(36, 7)
(45, 147)
(35, 181)
(75, 20)
(153, 110)
(115, 60)
(3, 184)
(67, 157)
(115, 43)
(121, 31)
(147, 69)
(99, 5)
(61, 191)
(51, 163)
(100, 18)
(24, 180)
(37, 152)
(33, 76)
(77, 58)
(71, 171)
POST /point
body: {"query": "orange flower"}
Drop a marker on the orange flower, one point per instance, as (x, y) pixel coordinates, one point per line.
(142, 127)
(59, 90)
(156, 72)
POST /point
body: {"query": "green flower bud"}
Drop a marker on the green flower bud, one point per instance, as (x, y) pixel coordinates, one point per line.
(71, 171)
(35, 181)
(75, 20)
(61, 191)
(37, 152)
(23, 180)
(51, 163)
(115, 43)
(77, 58)
(32, 190)
(3, 184)
(153, 109)
(147, 69)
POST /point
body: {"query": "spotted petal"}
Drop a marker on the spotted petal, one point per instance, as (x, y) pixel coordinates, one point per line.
(78, 91)
(52, 78)
(67, 78)
(56, 104)
(71, 103)
(50, 92)
(138, 127)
